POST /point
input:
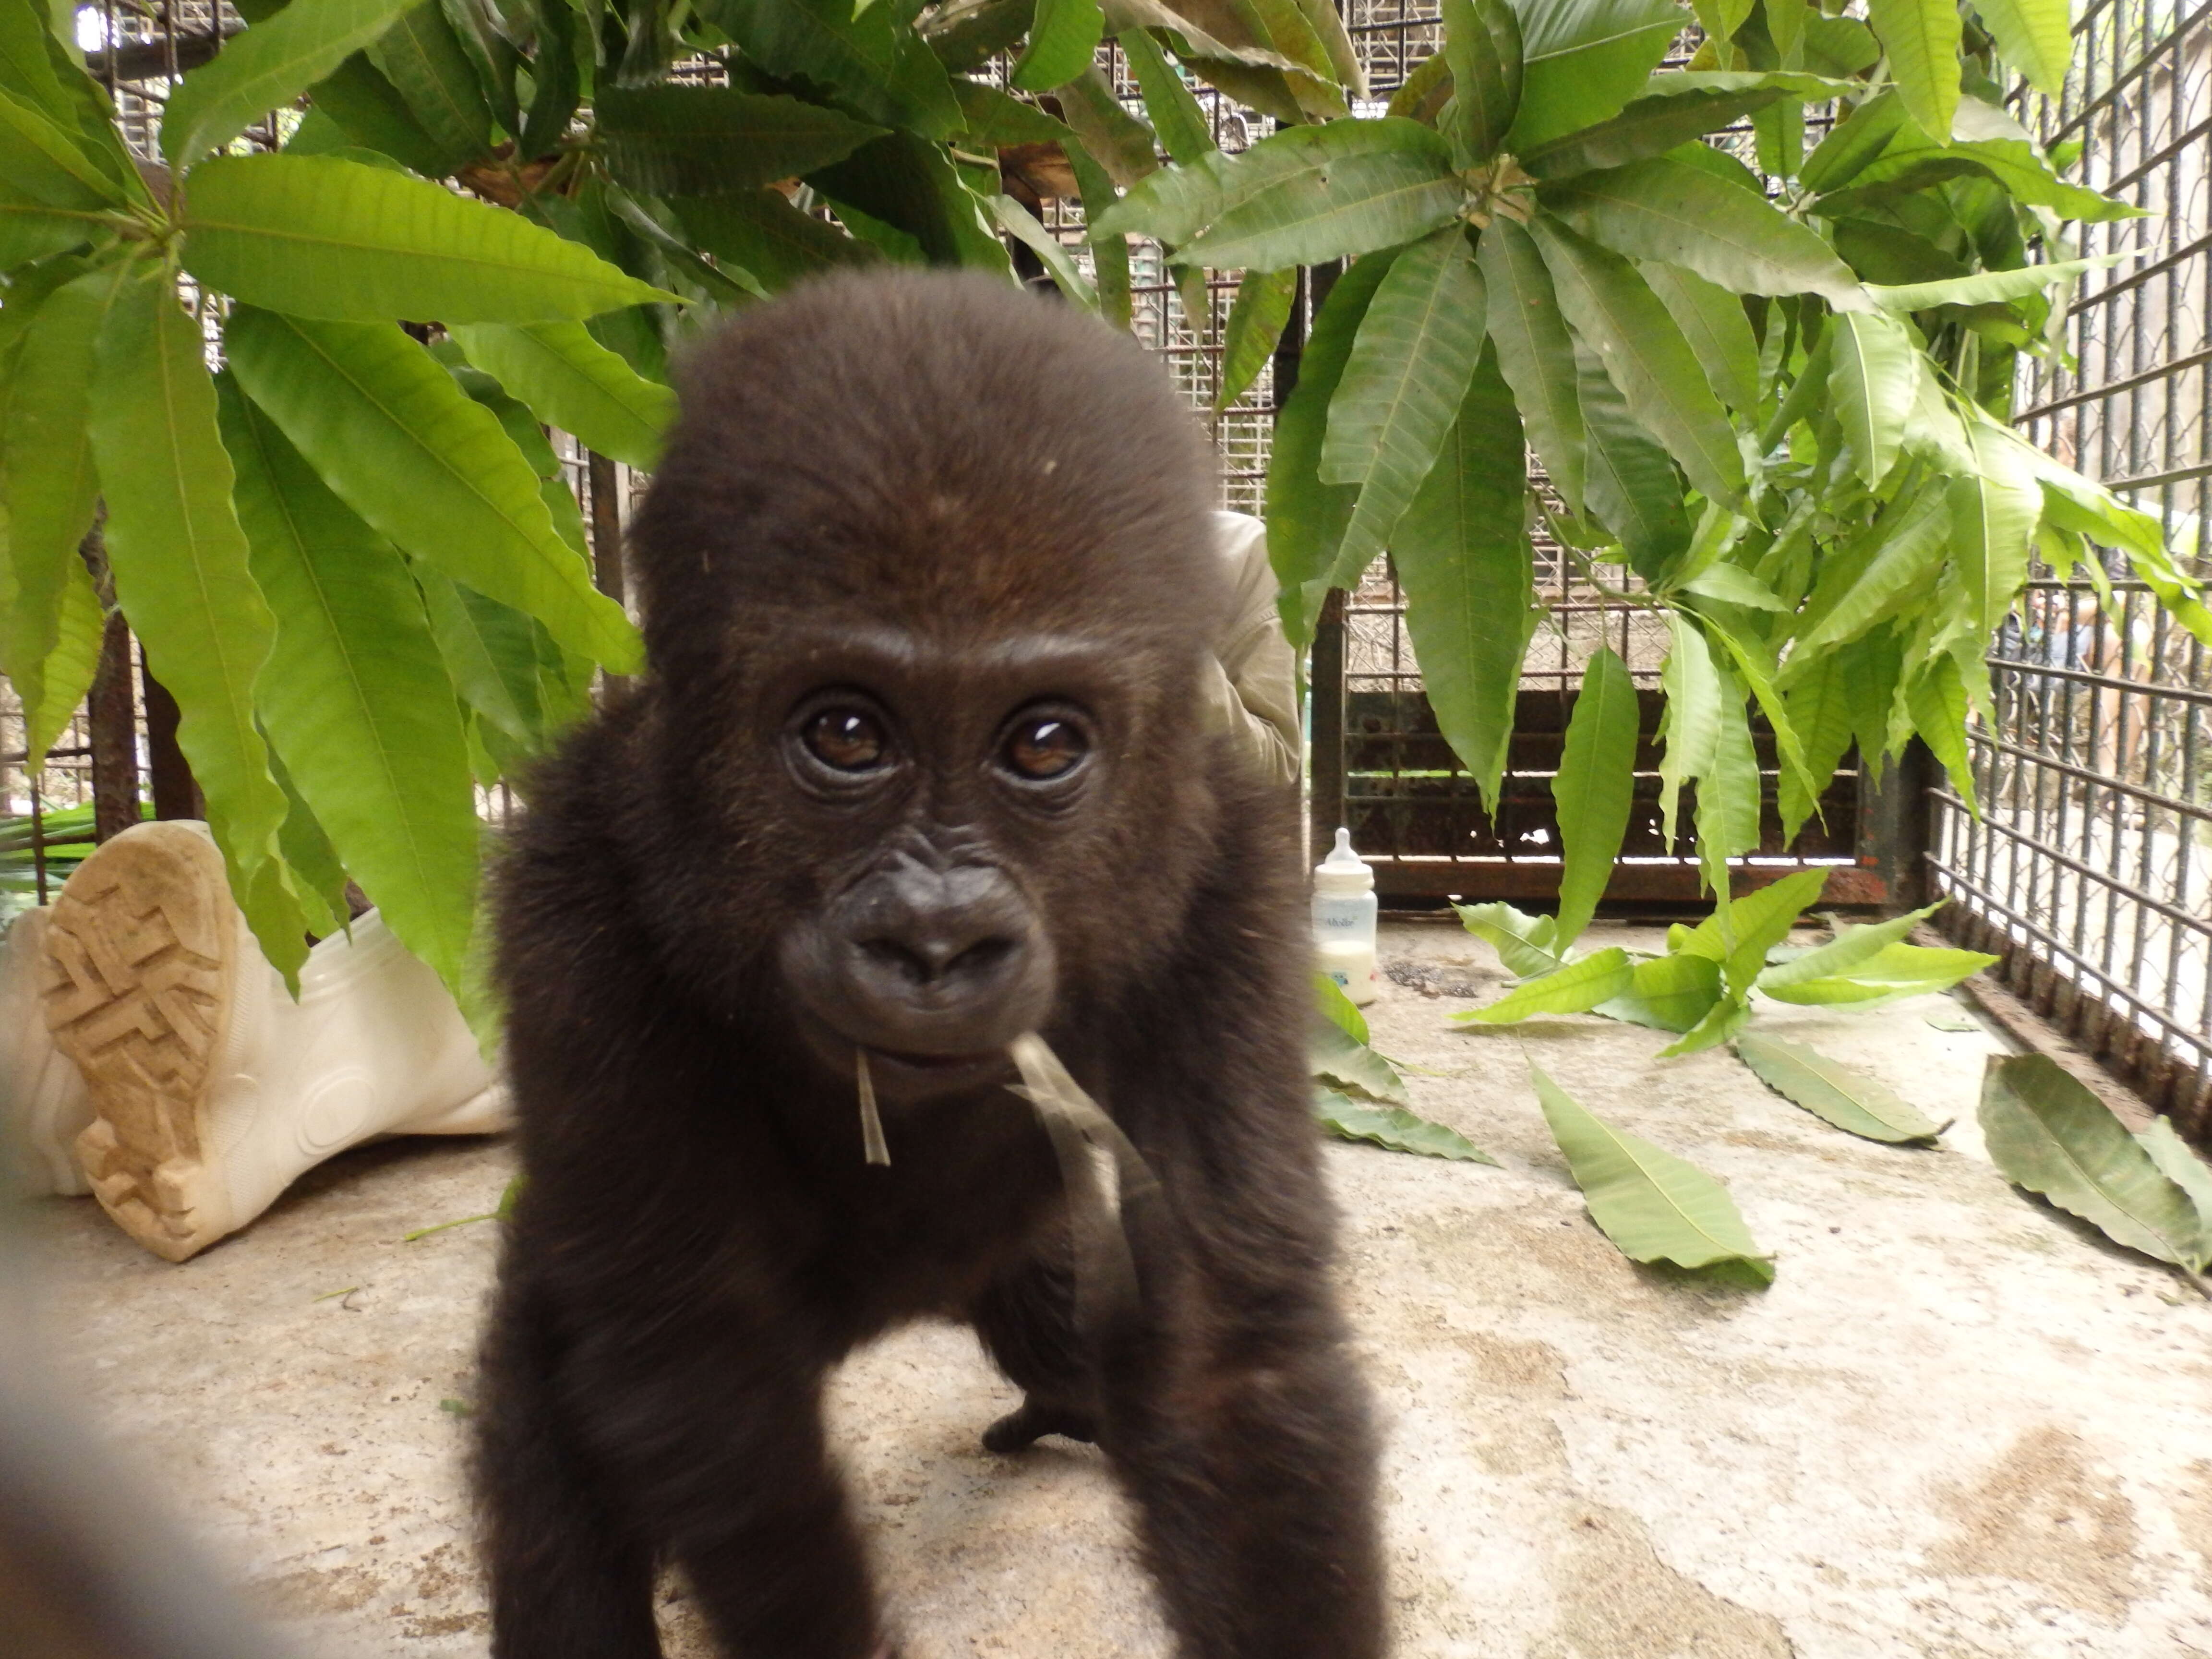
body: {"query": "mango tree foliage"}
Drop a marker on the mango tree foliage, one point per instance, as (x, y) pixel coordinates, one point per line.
(1779, 397)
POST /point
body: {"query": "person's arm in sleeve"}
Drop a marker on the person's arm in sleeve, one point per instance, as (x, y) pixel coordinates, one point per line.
(1251, 688)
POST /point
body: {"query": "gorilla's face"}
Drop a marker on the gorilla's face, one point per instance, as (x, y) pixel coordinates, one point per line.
(950, 796)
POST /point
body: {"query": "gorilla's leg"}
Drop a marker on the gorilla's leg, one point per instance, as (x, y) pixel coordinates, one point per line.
(1249, 1450)
(1026, 1319)
(568, 1577)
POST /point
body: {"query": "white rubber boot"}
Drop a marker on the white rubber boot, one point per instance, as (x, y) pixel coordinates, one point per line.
(43, 1103)
(211, 1090)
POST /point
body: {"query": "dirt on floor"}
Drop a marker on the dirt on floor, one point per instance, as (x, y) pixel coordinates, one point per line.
(1958, 1423)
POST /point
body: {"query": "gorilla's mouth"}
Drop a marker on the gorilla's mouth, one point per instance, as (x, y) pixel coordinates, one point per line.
(939, 1062)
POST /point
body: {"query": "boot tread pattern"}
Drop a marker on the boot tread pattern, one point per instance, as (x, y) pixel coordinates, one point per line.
(139, 955)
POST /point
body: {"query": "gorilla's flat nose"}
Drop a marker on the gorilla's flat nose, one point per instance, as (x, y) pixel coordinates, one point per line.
(939, 942)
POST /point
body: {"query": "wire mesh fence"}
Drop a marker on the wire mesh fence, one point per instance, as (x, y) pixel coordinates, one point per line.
(2090, 870)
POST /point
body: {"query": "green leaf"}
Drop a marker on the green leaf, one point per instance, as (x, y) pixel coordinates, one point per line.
(1655, 1206)
(1723, 1024)
(423, 60)
(1850, 1100)
(1673, 109)
(1402, 389)
(1340, 1009)
(1987, 287)
(402, 446)
(1732, 585)
(1329, 192)
(1584, 60)
(1994, 513)
(1535, 352)
(2179, 1162)
(916, 187)
(180, 563)
(1339, 1057)
(1256, 325)
(1061, 40)
(1021, 224)
(678, 140)
(993, 120)
(1727, 794)
(1482, 46)
(573, 382)
(1644, 353)
(1175, 115)
(2034, 37)
(491, 654)
(317, 236)
(1464, 561)
(1711, 319)
(1909, 542)
(1756, 923)
(266, 68)
(1671, 993)
(556, 77)
(368, 110)
(1394, 1128)
(1874, 364)
(1523, 942)
(1820, 710)
(1594, 788)
(43, 166)
(1306, 517)
(1695, 691)
(1893, 971)
(1115, 139)
(1851, 947)
(355, 697)
(1574, 989)
(1661, 209)
(47, 479)
(761, 232)
(1922, 38)
(51, 688)
(875, 60)
(2047, 1133)
(1630, 485)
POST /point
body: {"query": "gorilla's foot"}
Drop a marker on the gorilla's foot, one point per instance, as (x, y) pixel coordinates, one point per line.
(1018, 1431)
(142, 954)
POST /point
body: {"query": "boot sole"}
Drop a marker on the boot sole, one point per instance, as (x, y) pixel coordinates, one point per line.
(141, 955)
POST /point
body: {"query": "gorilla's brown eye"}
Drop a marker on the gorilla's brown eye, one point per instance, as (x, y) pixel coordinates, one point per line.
(849, 739)
(1045, 748)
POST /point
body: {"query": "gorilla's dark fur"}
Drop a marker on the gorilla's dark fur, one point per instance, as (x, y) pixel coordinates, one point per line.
(933, 525)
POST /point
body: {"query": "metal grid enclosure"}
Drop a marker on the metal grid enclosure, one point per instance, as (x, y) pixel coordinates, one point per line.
(2091, 870)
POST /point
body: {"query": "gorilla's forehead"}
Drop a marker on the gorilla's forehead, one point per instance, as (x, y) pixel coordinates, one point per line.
(976, 663)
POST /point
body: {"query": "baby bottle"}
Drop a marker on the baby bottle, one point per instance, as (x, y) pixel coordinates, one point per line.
(1344, 920)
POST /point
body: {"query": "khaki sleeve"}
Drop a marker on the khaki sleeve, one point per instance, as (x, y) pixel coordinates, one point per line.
(1252, 690)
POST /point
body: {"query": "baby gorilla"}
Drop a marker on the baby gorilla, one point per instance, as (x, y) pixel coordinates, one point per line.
(917, 767)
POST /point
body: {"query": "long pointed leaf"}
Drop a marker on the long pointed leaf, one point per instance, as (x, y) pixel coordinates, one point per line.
(1672, 110)
(1661, 209)
(50, 688)
(1344, 1059)
(1305, 517)
(47, 479)
(1695, 689)
(422, 58)
(1584, 60)
(1850, 1100)
(1256, 319)
(1711, 319)
(389, 431)
(1535, 352)
(1337, 191)
(355, 697)
(1655, 1206)
(266, 68)
(1061, 40)
(1631, 484)
(180, 562)
(1394, 1128)
(1467, 571)
(2048, 1132)
(1408, 374)
(1873, 374)
(1644, 353)
(322, 237)
(1673, 993)
(1595, 788)
(1921, 38)
(1994, 513)
(572, 381)
(1482, 46)
(1174, 112)
(1576, 989)
(678, 140)
(1523, 942)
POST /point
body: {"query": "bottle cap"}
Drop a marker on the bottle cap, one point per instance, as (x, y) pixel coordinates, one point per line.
(1343, 870)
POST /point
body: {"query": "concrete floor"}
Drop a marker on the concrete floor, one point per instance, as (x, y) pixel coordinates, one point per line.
(1958, 1423)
